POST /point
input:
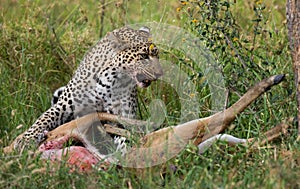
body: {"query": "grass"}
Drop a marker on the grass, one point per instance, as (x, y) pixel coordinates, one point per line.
(42, 43)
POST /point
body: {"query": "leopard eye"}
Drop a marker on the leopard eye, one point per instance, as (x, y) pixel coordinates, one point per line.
(153, 50)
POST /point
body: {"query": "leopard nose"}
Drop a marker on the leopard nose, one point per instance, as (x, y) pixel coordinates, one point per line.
(159, 73)
(157, 69)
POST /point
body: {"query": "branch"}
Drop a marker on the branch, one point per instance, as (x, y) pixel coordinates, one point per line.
(293, 23)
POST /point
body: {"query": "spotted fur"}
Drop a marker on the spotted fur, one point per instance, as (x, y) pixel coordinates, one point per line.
(105, 81)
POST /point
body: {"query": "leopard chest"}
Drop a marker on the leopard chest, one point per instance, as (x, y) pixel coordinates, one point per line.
(118, 94)
(104, 91)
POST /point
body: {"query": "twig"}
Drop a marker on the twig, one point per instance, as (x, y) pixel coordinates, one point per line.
(273, 133)
(235, 50)
(103, 6)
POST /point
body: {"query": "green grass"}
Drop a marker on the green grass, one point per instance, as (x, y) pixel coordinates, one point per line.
(42, 42)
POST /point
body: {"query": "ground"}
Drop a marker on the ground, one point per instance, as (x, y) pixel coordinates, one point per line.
(44, 41)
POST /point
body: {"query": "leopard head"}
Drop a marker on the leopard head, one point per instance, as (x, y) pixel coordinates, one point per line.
(138, 56)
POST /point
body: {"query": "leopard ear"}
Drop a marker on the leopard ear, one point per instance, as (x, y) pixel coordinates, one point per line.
(116, 42)
(145, 29)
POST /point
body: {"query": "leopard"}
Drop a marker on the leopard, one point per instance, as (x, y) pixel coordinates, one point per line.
(106, 80)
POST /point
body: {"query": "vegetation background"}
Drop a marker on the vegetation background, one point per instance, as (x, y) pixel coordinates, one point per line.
(42, 43)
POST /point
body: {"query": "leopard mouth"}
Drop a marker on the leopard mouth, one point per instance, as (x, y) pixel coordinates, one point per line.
(144, 83)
